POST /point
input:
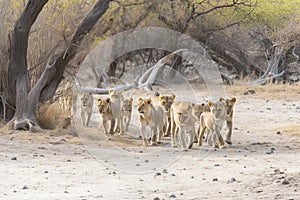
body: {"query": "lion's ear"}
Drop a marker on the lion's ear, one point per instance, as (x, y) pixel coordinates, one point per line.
(173, 96)
(107, 100)
(99, 100)
(221, 99)
(139, 99)
(210, 104)
(131, 99)
(202, 104)
(233, 99)
(148, 101)
(110, 91)
(161, 97)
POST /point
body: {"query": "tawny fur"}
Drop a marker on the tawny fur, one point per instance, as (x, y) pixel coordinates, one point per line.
(213, 121)
(229, 105)
(86, 106)
(126, 109)
(150, 116)
(115, 102)
(165, 101)
(104, 107)
(183, 122)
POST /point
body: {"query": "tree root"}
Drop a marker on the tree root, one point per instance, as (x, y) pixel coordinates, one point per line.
(26, 125)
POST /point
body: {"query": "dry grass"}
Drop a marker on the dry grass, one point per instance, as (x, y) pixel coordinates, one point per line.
(1, 125)
(278, 91)
(50, 116)
(44, 137)
(291, 129)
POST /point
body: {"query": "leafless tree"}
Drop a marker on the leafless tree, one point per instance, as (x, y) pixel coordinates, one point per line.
(15, 79)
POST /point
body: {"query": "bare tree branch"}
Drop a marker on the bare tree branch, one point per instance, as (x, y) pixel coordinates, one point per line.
(139, 81)
(131, 4)
(65, 56)
(233, 4)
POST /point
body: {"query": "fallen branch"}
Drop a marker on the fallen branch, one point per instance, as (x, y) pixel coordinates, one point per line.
(265, 80)
(272, 71)
(139, 81)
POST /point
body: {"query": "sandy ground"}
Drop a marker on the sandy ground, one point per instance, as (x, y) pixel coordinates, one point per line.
(262, 163)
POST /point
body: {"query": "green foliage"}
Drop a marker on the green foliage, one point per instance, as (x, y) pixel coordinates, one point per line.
(275, 13)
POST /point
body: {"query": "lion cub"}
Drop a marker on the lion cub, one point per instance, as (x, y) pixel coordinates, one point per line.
(126, 106)
(229, 104)
(198, 109)
(115, 103)
(213, 121)
(152, 116)
(182, 120)
(86, 105)
(104, 108)
(165, 102)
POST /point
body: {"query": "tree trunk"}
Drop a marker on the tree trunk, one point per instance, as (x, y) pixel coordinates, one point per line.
(44, 89)
(62, 58)
(112, 69)
(17, 80)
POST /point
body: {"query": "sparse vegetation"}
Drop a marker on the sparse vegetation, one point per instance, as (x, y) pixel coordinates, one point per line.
(47, 154)
(257, 39)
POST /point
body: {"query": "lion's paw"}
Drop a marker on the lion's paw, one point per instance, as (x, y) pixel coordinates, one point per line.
(145, 143)
(184, 149)
(153, 144)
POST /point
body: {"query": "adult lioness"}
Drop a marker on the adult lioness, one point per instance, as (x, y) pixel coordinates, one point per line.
(197, 110)
(213, 121)
(152, 116)
(86, 105)
(126, 107)
(229, 104)
(104, 108)
(115, 102)
(183, 121)
(165, 102)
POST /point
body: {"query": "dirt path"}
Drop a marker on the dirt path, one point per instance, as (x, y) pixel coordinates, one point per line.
(263, 162)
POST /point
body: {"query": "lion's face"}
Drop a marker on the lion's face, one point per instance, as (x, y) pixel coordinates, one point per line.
(218, 108)
(143, 105)
(86, 99)
(126, 105)
(103, 105)
(166, 101)
(182, 113)
(229, 103)
(184, 118)
(198, 109)
(115, 94)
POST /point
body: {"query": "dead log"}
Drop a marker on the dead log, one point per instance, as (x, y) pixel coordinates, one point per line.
(141, 82)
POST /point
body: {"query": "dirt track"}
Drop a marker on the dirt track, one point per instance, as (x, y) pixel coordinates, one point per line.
(262, 163)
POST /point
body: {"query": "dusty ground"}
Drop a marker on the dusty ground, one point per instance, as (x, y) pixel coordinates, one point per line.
(262, 163)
